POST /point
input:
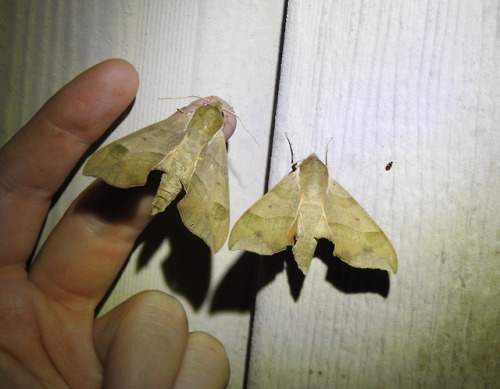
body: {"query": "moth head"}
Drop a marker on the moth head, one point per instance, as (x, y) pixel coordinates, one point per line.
(314, 172)
(211, 114)
(207, 119)
(227, 113)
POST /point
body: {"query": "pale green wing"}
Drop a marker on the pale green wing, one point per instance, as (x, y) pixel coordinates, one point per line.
(359, 241)
(205, 206)
(127, 161)
(268, 226)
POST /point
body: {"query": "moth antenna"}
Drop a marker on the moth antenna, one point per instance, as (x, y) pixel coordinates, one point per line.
(326, 151)
(183, 97)
(296, 164)
(290, 145)
(243, 125)
(292, 164)
(207, 99)
(208, 102)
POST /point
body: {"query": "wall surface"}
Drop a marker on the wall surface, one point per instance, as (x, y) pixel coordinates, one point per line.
(367, 83)
(226, 48)
(364, 83)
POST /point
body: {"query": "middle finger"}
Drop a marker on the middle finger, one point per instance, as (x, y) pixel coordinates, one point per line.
(85, 252)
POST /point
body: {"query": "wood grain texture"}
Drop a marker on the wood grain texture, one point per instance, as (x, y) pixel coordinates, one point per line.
(416, 82)
(413, 82)
(179, 48)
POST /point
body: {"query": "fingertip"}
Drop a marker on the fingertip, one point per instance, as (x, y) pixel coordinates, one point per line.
(142, 341)
(121, 74)
(91, 102)
(208, 345)
(205, 364)
(229, 118)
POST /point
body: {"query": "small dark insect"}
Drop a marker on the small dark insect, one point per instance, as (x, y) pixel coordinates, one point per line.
(389, 166)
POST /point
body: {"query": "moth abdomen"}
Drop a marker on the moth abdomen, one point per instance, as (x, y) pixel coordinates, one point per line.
(169, 188)
(303, 251)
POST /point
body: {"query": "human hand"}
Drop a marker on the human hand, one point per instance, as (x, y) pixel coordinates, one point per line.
(48, 334)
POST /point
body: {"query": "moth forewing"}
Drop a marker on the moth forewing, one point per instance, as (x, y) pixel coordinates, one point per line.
(179, 164)
(210, 221)
(358, 240)
(126, 162)
(265, 227)
(174, 146)
(311, 206)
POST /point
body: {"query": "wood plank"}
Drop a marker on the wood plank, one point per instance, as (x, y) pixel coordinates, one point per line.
(415, 83)
(227, 48)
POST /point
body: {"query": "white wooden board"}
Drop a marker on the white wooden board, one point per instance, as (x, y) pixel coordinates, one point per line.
(416, 83)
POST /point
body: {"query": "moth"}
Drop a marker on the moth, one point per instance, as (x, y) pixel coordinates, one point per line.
(189, 147)
(308, 205)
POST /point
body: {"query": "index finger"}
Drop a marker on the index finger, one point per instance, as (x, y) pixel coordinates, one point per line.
(37, 160)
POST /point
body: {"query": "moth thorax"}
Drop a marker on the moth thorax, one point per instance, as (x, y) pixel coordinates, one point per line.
(313, 173)
(207, 120)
